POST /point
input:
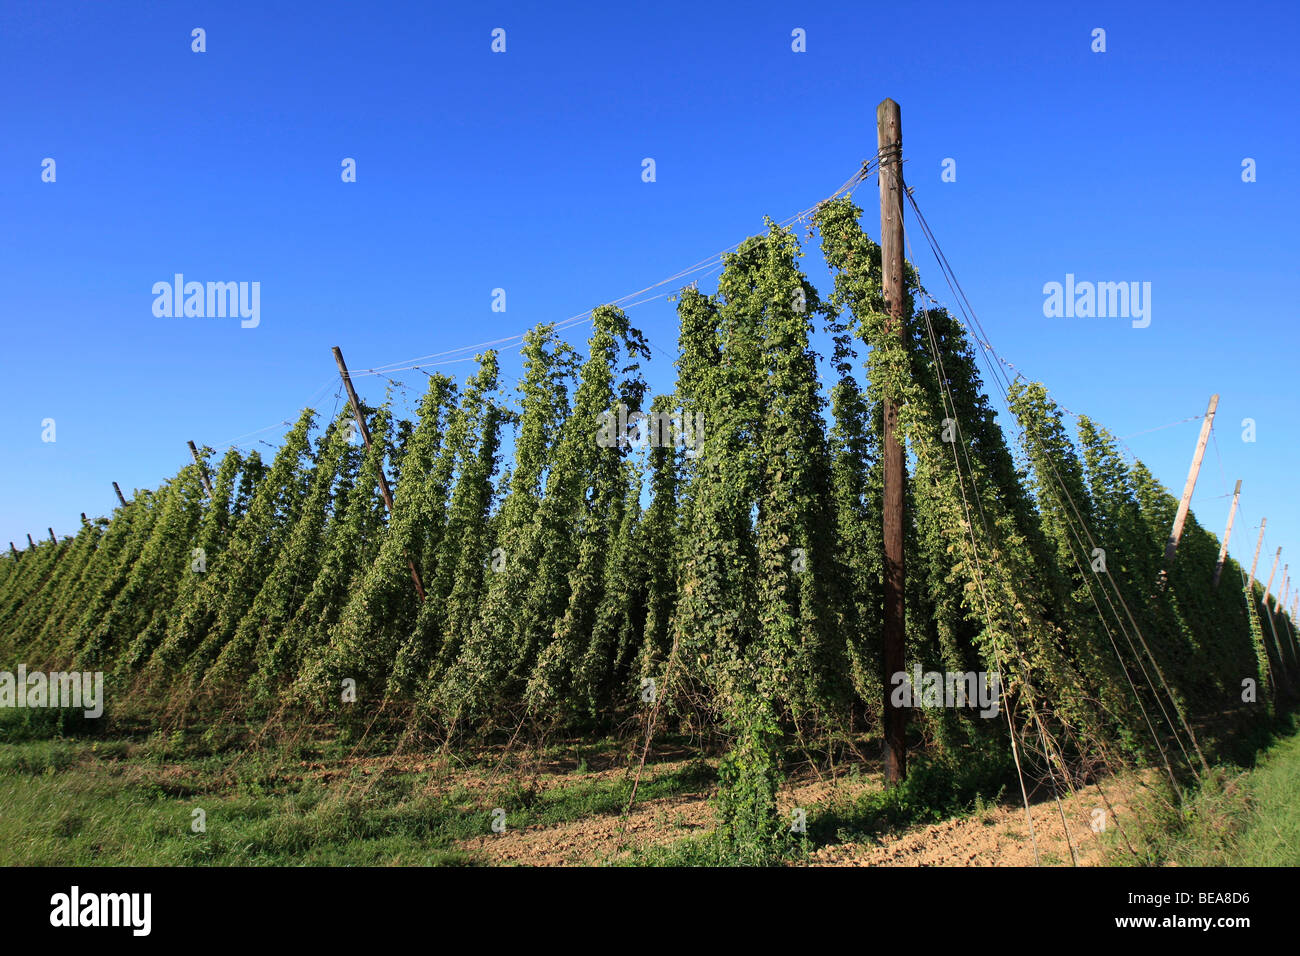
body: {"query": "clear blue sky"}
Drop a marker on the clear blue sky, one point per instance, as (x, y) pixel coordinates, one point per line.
(522, 171)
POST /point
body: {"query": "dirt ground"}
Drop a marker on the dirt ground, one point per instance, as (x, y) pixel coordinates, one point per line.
(998, 836)
(600, 839)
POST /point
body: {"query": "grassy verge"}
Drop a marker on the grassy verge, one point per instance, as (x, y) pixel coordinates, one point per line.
(113, 802)
(1235, 818)
(316, 800)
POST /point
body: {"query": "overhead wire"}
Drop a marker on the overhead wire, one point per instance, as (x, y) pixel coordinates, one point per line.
(967, 310)
(950, 405)
(949, 402)
(704, 266)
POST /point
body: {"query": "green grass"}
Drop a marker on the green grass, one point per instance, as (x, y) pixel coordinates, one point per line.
(76, 802)
(75, 811)
(606, 797)
(1235, 818)
(97, 800)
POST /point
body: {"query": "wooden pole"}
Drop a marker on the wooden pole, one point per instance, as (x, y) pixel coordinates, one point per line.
(1172, 544)
(203, 469)
(119, 494)
(1223, 548)
(365, 437)
(889, 140)
(13, 550)
(30, 542)
(1277, 557)
(1255, 563)
(52, 537)
(1277, 641)
(1292, 646)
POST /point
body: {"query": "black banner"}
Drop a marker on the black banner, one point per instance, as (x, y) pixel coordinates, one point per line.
(294, 906)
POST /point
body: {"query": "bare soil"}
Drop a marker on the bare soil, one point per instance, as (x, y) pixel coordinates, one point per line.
(1062, 835)
(997, 836)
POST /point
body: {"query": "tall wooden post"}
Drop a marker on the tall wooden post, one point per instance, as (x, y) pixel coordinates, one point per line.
(1250, 588)
(119, 494)
(203, 469)
(365, 437)
(1223, 548)
(30, 542)
(1272, 625)
(889, 140)
(1172, 544)
(1288, 620)
(1268, 589)
(13, 550)
(52, 537)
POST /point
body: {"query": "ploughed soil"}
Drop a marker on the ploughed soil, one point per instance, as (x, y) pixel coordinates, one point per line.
(997, 835)
(1000, 836)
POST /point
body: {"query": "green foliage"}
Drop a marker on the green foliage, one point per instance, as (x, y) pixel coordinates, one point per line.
(751, 831)
(742, 574)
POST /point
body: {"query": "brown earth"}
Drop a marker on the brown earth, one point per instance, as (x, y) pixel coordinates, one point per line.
(1000, 836)
(997, 836)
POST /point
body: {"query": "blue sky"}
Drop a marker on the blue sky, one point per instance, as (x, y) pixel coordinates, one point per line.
(522, 171)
